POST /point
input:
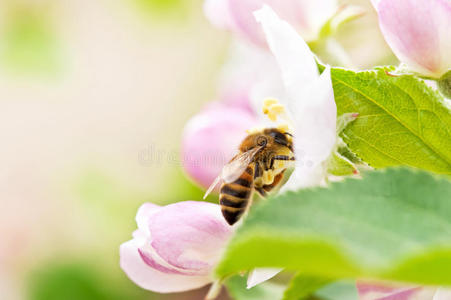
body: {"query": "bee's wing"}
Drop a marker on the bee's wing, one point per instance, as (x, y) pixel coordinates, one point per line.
(233, 170)
(212, 186)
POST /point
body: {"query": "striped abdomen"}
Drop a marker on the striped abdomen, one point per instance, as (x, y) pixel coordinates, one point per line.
(234, 197)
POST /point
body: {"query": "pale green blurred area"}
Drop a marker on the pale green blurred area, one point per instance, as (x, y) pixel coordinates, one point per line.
(89, 90)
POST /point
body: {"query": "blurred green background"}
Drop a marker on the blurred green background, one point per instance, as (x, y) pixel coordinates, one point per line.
(90, 90)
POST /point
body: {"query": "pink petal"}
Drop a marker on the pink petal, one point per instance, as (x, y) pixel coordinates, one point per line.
(257, 276)
(305, 15)
(152, 279)
(242, 12)
(238, 98)
(418, 33)
(211, 139)
(143, 215)
(157, 263)
(189, 235)
(377, 291)
(183, 242)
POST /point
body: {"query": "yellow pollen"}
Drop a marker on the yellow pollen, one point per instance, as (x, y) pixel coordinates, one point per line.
(272, 108)
(268, 177)
(283, 127)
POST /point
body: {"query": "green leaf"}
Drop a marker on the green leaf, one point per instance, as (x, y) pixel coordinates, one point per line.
(302, 286)
(351, 156)
(236, 287)
(401, 120)
(393, 224)
(339, 165)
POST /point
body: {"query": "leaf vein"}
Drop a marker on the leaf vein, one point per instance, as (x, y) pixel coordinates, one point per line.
(393, 116)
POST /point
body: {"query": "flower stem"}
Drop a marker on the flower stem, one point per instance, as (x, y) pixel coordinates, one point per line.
(214, 291)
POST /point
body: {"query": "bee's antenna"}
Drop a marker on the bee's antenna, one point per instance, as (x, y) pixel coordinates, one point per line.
(287, 133)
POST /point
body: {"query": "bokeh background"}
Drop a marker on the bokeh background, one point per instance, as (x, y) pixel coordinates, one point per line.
(94, 95)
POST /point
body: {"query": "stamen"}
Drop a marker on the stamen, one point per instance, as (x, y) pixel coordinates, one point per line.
(272, 108)
(275, 110)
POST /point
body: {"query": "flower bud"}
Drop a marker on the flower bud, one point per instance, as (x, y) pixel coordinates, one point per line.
(175, 247)
(372, 291)
(418, 33)
(211, 139)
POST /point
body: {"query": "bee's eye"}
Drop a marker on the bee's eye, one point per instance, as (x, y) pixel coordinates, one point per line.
(262, 141)
(278, 136)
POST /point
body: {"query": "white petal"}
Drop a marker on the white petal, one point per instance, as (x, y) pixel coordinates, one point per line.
(310, 100)
(442, 294)
(294, 57)
(218, 13)
(375, 3)
(315, 117)
(315, 14)
(151, 279)
(257, 276)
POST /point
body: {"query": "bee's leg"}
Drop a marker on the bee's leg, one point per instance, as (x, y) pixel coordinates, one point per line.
(283, 157)
(258, 170)
(280, 157)
(261, 192)
(277, 180)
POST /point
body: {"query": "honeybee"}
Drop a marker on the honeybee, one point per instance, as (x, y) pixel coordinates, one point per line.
(260, 165)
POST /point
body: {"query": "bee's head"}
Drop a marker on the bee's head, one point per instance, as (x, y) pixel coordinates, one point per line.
(269, 137)
(277, 137)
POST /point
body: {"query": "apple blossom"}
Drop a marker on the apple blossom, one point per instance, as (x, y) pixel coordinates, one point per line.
(418, 33)
(236, 15)
(175, 247)
(309, 99)
(293, 77)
